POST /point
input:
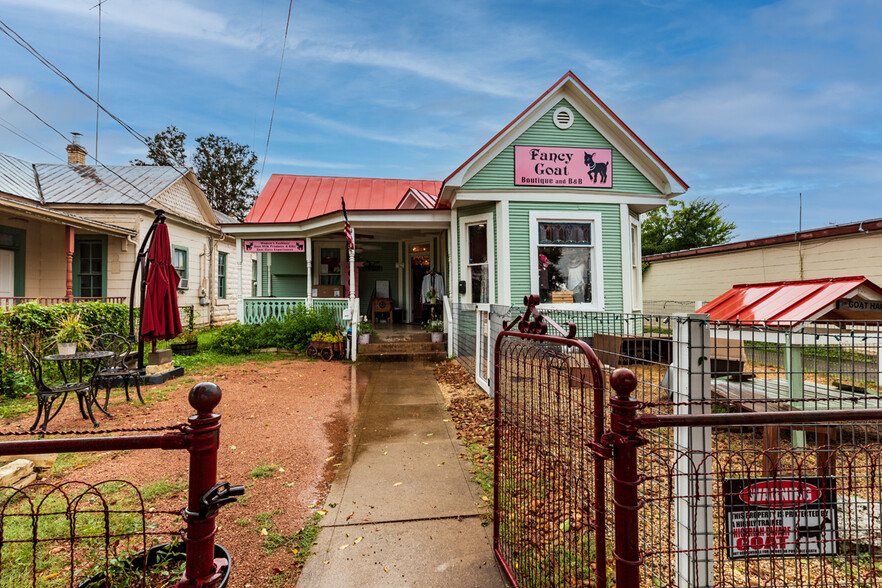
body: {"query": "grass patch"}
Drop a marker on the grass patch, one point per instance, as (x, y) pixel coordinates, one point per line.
(265, 516)
(68, 462)
(162, 488)
(12, 408)
(263, 470)
(482, 467)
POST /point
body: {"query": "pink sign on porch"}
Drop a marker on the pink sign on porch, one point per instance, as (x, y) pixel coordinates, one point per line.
(276, 246)
(563, 167)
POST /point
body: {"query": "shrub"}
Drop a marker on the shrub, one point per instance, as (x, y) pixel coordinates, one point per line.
(298, 326)
(234, 339)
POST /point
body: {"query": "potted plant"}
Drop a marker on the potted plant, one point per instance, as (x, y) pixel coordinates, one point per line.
(436, 329)
(326, 345)
(432, 296)
(186, 343)
(71, 333)
(365, 330)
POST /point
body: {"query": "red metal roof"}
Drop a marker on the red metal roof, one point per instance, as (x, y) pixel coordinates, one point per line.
(783, 302)
(292, 199)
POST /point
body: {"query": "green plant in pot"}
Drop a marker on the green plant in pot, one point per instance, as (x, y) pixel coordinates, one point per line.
(436, 329)
(365, 330)
(186, 343)
(72, 333)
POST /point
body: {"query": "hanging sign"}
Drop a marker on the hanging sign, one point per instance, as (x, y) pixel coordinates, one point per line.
(780, 517)
(859, 305)
(563, 166)
(276, 246)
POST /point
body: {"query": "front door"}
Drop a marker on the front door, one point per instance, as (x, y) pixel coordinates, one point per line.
(7, 273)
(420, 265)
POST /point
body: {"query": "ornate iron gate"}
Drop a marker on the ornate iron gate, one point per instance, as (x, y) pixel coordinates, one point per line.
(550, 516)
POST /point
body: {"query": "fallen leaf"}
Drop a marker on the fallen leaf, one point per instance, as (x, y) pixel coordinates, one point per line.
(357, 541)
(398, 483)
(326, 562)
(232, 446)
(344, 546)
(264, 531)
(485, 499)
(295, 551)
(322, 512)
(385, 569)
(350, 516)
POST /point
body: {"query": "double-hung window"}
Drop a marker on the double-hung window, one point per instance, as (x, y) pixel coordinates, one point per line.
(566, 259)
(221, 274)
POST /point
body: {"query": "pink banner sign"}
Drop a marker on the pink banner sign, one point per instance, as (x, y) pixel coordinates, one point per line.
(563, 167)
(277, 246)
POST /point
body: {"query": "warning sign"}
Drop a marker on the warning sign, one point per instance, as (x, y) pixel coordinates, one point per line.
(780, 517)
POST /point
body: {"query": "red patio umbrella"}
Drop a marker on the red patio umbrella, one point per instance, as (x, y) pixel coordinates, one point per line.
(159, 313)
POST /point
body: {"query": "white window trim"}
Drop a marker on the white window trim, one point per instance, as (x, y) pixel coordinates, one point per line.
(636, 255)
(594, 218)
(491, 255)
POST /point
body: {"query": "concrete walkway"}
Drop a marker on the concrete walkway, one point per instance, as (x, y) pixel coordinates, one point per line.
(405, 510)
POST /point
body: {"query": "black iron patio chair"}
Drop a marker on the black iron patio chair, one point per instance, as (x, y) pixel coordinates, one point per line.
(118, 369)
(47, 395)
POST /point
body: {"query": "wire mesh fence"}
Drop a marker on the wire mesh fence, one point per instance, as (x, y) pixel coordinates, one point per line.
(64, 534)
(550, 522)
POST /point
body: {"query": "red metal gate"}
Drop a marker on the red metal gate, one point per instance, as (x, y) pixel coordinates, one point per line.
(550, 518)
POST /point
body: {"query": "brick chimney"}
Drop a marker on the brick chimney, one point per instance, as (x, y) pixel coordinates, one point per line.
(76, 153)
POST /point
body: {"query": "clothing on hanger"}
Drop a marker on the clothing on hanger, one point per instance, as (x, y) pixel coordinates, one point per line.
(432, 281)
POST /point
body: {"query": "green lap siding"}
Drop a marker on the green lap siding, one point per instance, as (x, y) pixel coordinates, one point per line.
(611, 236)
(499, 173)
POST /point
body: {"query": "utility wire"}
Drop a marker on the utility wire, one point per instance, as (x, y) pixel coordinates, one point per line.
(22, 135)
(124, 193)
(98, 88)
(276, 96)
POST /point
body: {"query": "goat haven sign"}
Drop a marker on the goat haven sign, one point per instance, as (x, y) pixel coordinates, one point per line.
(780, 517)
(568, 167)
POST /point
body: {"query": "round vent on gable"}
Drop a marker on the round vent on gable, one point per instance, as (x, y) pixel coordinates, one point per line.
(563, 118)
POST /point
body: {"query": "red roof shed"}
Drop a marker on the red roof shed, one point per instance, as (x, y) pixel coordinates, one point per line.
(790, 303)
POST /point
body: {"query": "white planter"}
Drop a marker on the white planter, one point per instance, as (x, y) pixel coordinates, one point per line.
(437, 337)
(364, 339)
(67, 348)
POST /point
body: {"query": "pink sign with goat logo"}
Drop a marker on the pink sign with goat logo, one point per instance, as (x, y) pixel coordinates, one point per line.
(563, 167)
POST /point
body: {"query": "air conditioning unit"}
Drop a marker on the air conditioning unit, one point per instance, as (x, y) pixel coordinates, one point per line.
(184, 284)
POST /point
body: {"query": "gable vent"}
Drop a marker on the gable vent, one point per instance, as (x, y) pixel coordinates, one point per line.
(563, 118)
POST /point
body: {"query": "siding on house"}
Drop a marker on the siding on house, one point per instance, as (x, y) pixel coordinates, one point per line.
(499, 173)
(611, 235)
(704, 277)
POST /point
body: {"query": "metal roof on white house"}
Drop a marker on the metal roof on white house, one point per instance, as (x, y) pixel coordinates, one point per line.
(17, 178)
(112, 184)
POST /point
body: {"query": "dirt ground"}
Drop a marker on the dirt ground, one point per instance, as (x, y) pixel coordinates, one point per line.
(293, 415)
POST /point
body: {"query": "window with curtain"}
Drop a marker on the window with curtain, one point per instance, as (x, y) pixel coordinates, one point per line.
(564, 262)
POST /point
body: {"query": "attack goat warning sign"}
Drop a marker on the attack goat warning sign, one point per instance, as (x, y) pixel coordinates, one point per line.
(780, 517)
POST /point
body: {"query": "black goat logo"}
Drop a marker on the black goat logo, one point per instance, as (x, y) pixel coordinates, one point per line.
(595, 169)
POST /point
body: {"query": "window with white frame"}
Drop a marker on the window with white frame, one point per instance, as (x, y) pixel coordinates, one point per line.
(478, 266)
(566, 258)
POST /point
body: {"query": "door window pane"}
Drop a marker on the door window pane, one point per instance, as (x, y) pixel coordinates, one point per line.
(478, 243)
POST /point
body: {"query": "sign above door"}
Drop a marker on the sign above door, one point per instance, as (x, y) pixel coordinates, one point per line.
(276, 246)
(563, 167)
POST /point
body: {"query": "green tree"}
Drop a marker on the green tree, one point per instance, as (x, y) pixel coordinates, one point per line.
(226, 170)
(680, 225)
(166, 148)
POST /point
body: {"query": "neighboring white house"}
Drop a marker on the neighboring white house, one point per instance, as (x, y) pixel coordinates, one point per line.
(73, 232)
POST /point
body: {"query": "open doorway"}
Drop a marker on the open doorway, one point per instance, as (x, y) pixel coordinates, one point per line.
(420, 264)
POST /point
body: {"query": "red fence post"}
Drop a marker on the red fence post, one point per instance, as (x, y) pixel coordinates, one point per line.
(625, 440)
(203, 432)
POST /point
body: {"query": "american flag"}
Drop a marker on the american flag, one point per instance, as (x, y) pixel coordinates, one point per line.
(347, 228)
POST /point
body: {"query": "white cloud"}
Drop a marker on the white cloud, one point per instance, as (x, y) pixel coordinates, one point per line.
(171, 18)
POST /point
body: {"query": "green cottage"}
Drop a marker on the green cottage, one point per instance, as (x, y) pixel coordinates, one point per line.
(548, 206)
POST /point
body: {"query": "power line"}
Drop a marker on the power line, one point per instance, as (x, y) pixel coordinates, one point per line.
(98, 88)
(22, 135)
(276, 96)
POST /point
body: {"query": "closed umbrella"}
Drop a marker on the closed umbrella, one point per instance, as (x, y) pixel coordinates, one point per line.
(159, 314)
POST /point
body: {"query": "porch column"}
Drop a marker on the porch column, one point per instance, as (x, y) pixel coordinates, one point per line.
(69, 246)
(240, 304)
(309, 272)
(354, 312)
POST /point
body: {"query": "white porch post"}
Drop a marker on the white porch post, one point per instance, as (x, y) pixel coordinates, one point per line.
(269, 273)
(240, 304)
(354, 312)
(309, 272)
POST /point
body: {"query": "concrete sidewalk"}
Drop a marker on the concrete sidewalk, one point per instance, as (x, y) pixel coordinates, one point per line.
(406, 512)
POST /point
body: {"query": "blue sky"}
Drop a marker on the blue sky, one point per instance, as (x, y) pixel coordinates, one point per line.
(750, 102)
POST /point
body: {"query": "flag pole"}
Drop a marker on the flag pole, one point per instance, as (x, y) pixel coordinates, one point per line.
(354, 313)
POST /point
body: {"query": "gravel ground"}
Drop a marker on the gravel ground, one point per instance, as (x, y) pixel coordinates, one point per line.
(291, 414)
